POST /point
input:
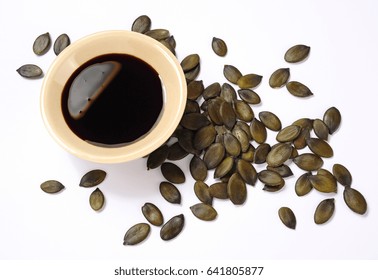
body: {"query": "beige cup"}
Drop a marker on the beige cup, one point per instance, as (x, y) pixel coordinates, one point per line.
(124, 42)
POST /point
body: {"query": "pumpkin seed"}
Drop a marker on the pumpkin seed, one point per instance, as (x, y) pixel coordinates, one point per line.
(153, 214)
(136, 234)
(42, 44)
(92, 178)
(157, 157)
(287, 217)
(261, 153)
(167, 45)
(270, 120)
(185, 139)
(191, 75)
(30, 71)
(172, 173)
(308, 161)
(249, 81)
(231, 73)
(141, 24)
(190, 62)
(158, 34)
(214, 110)
(249, 96)
(218, 190)
(258, 131)
(324, 211)
(242, 138)
(191, 106)
(224, 167)
(201, 190)
(303, 185)
(231, 144)
(228, 93)
(172, 228)
(279, 154)
(245, 127)
(204, 137)
(297, 53)
(198, 169)
(170, 193)
(96, 199)
(342, 175)
(211, 91)
(204, 211)
(236, 189)
(243, 111)
(332, 118)
(227, 114)
(270, 178)
(283, 170)
(176, 152)
(276, 188)
(194, 121)
(62, 42)
(298, 89)
(279, 78)
(288, 133)
(321, 129)
(52, 186)
(249, 154)
(304, 123)
(246, 171)
(323, 183)
(355, 200)
(320, 147)
(301, 141)
(214, 155)
(219, 46)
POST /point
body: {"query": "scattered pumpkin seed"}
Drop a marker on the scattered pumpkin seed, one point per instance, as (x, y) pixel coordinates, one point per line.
(355, 200)
(279, 77)
(62, 42)
(231, 144)
(249, 96)
(204, 137)
(157, 157)
(283, 170)
(270, 178)
(228, 93)
(153, 214)
(42, 44)
(224, 167)
(342, 175)
(279, 154)
(324, 211)
(190, 62)
(258, 131)
(236, 189)
(142, 24)
(172, 173)
(96, 199)
(321, 129)
(287, 217)
(172, 228)
(298, 89)
(332, 118)
(214, 155)
(30, 71)
(158, 34)
(249, 81)
(297, 53)
(261, 152)
(194, 121)
(176, 152)
(288, 133)
(320, 147)
(323, 183)
(243, 111)
(219, 46)
(52, 186)
(218, 190)
(211, 91)
(170, 193)
(136, 234)
(303, 185)
(227, 114)
(246, 171)
(92, 178)
(198, 169)
(231, 73)
(308, 161)
(201, 190)
(204, 211)
(270, 120)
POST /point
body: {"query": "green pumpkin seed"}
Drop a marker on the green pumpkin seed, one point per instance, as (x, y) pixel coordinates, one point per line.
(214, 155)
(176, 152)
(320, 147)
(323, 183)
(214, 110)
(141, 24)
(283, 170)
(287, 217)
(355, 200)
(303, 185)
(224, 167)
(172, 228)
(52, 186)
(96, 199)
(279, 77)
(308, 162)
(242, 138)
(153, 214)
(194, 121)
(170, 193)
(172, 173)
(298, 89)
(191, 75)
(297, 53)
(136, 234)
(231, 144)
(246, 171)
(228, 93)
(342, 175)
(270, 178)
(219, 190)
(92, 178)
(231, 73)
(249, 154)
(321, 129)
(30, 71)
(249, 96)
(219, 46)
(202, 192)
(158, 34)
(270, 120)
(167, 45)
(301, 141)
(304, 123)
(198, 169)
(204, 137)
(204, 211)
(227, 114)
(249, 81)
(279, 154)
(245, 127)
(62, 42)
(185, 139)
(191, 106)
(332, 118)
(42, 44)
(243, 111)
(211, 91)
(258, 131)
(324, 211)
(236, 189)
(288, 133)
(261, 152)
(157, 157)
(190, 62)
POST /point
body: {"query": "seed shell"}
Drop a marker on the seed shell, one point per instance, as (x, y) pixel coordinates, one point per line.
(42, 44)
(157, 157)
(214, 155)
(172, 173)
(246, 171)
(176, 152)
(288, 133)
(298, 89)
(195, 89)
(194, 121)
(191, 75)
(355, 200)
(219, 46)
(279, 78)
(170, 193)
(62, 42)
(96, 199)
(323, 183)
(342, 175)
(303, 185)
(249, 96)
(279, 154)
(52, 186)
(201, 190)
(211, 91)
(249, 81)
(242, 137)
(297, 53)
(227, 114)
(190, 62)
(136, 234)
(258, 131)
(287, 217)
(324, 211)
(228, 93)
(231, 73)
(204, 137)
(142, 24)
(30, 71)
(158, 34)
(224, 167)
(153, 214)
(332, 118)
(172, 228)
(261, 153)
(243, 111)
(270, 178)
(283, 170)
(320, 147)
(270, 120)
(236, 189)
(219, 190)
(214, 110)
(321, 129)
(231, 144)
(308, 161)
(204, 211)
(92, 178)
(198, 169)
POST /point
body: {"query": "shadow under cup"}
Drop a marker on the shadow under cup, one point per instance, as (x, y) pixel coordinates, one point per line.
(101, 44)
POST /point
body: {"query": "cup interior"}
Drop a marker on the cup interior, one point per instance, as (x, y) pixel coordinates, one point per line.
(114, 42)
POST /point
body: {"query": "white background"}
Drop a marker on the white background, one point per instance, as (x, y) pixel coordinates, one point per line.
(341, 71)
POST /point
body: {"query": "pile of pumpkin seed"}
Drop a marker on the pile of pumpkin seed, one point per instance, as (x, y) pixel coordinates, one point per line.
(224, 137)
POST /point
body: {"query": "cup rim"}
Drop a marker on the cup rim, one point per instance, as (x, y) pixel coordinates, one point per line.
(104, 42)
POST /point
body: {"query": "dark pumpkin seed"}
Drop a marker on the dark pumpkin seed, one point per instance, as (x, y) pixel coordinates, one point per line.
(218, 190)
(261, 152)
(191, 75)
(153, 214)
(279, 77)
(211, 91)
(185, 139)
(201, 190)
(228, 93)
(190, 62)
(323, 183)
(297, 53)
(219, 46)
(52, 186)
(279, 154)
(283, 170)
(172, 173)
(157, 157)
(287, 217)
(258, 131)
(249, 96)
(303, 185)
(231, 73)
(170, 193)
(30, 71)
(141, 24)
(231, 144)
(249, 81)
(243, 111)
(332, 118)
(92, 178)
(136, 234)
(204, 211)
(304, 123)
(242, 137)
(355, 200)
(298, 89)
(158, 34)
(224, 167)
(62, 42)
(204, 137)
(324, 211)
(342, 175)
(176, 152)
(191, 106)
(270, 120)
(198, 169)
(194, 121)
(270, 178)
(96, 199)
(320, 147)
(321, 129)
(172, 228)
(236, 189)
(227, 114)
(214, 110)
(308, 161)
(214, 155)
(246, 171)
(301, 141)
(42, 44)
(288, 133)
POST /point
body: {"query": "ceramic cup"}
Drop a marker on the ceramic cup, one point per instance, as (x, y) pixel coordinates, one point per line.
(120, 42)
